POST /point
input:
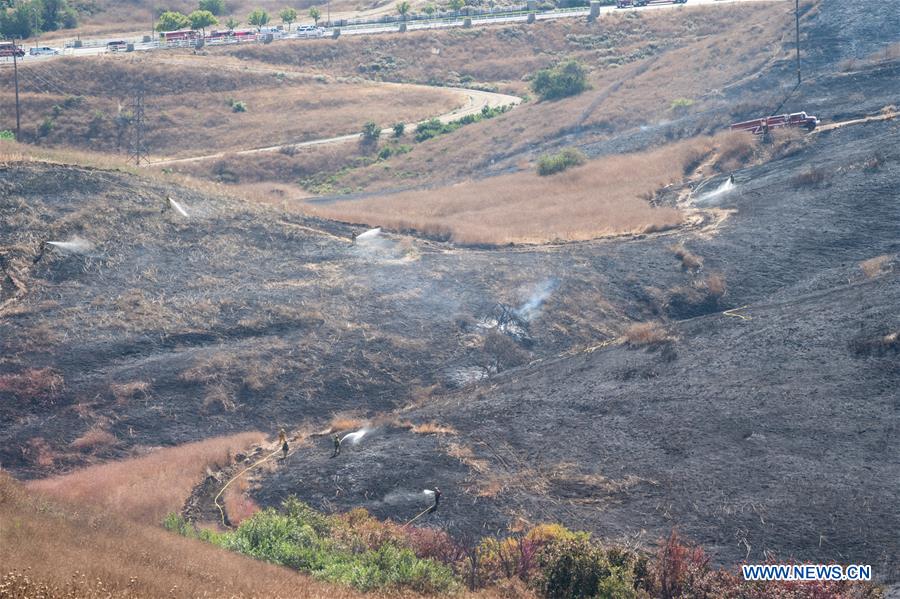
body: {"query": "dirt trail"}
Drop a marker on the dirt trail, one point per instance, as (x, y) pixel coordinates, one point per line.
(475, 100)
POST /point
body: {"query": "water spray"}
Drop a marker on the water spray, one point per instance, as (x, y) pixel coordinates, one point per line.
(722, 189)
(76, 245)
(367, 236)
(355, 437)
(177, 207)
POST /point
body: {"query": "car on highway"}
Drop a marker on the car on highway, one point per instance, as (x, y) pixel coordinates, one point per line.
(116, 45)
(310, 31)
(43, 51)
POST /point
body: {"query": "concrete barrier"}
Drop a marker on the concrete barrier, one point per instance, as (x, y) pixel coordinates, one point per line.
(335, 33)
(531, 17)
(78, 44)
(595, 11)
(467, 22)
(402, 28)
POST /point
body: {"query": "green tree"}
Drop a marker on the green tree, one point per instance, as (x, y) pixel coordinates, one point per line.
(429, 9)
(201, 19)
(399, 129)
(456, 5)
(22, 22)
(403, 8)
(172, 21)
(216, 7)
(566, 79)
(258, 18)
(315, 14)
(232, 24)
(288, 16)
(370, 132)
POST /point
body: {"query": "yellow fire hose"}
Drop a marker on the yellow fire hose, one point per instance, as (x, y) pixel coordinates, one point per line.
(237, 476)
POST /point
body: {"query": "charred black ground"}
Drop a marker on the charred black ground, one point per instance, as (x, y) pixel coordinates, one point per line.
(761, 417)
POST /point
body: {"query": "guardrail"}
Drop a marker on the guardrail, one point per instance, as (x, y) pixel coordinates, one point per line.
(379, 25)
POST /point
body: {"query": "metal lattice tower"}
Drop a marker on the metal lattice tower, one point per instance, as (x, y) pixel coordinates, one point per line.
(138, 151)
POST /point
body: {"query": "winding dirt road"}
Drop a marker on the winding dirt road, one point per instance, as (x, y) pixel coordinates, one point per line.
(475, 100)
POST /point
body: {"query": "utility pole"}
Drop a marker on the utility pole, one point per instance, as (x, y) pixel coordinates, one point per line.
(15, 53)
(137, 111)
(797, 21)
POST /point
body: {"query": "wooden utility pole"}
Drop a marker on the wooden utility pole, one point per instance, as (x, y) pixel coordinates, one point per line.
(797, 22)
(15, 51)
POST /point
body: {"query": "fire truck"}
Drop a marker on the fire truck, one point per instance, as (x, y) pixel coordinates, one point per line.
(10, 49)
(182, 35)
(232, 35)
(636, 3)
(779, 121)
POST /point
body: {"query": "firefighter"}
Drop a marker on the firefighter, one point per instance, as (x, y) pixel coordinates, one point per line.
(282, 439)
(437, 501)
(731, 178)
(337, 446)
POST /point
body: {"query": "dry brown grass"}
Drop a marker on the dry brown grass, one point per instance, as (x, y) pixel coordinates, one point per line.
(238, 504)
(689, 260)
(33, 384)
(600, 198)
(646, 334)
(190, 113)
(433, 428)
(146, 488)
(344, 422)
(125, 392)
(876, 266)
(59, 542)
(94, 439)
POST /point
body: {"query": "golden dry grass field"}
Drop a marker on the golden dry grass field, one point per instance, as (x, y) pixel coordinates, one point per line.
(86, 104)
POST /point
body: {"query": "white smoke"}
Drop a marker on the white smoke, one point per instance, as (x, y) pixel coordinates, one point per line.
(428, 491)
(178, 208)
(402, 496)
(532, 306)
(76, 245)
(355, 437)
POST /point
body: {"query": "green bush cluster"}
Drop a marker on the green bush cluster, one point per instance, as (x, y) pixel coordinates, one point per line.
(549, 164)
(394, 150)
(566, 79)
(27, 18)
(301, 538)
(434, 127)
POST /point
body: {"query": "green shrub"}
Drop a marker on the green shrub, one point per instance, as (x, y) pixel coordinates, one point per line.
(549, 164)
(399, 129)
(371, 132)
(566, 79)
(238, 106)
(680, 105)
(356, 550)
(577, 568)
(7, 135)
(434, 127)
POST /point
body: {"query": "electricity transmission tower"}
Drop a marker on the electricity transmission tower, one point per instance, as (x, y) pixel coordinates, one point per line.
(138, 151)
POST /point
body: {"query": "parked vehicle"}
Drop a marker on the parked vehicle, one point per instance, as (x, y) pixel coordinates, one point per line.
(43, 51)
(116, 45)
(310, 31)
(182, 35)
(636, 3)
(780, 121)
(10, 49)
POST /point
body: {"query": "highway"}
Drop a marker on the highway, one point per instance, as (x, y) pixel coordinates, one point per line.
(99, 46)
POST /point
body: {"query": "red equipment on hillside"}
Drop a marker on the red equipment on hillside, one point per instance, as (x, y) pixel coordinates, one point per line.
(780, 121)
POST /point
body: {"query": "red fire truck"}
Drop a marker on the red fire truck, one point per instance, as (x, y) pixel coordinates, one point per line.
(182, 35)
(779, 121)
(10, 49)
